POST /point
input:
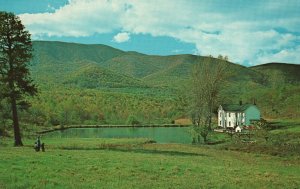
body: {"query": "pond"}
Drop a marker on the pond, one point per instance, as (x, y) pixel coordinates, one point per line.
(159, 134)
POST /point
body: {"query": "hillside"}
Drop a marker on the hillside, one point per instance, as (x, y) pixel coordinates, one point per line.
(76, 65)
(57, 61)
(93, 76)
(92, 84)
(61, 52)
(290, 72)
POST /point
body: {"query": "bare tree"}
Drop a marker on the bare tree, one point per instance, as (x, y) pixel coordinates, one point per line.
(263, 128)
(208, 79)
(275, 92)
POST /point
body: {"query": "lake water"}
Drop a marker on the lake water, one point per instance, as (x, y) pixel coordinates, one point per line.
(158, 134)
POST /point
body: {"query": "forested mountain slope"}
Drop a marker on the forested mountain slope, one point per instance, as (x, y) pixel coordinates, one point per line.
(58, 61)
(98, 84)
(289, 72)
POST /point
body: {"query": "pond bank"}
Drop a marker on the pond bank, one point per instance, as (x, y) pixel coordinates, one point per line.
(60, 128)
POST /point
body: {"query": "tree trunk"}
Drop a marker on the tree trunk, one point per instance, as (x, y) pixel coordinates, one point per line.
(205, 139)
(209, 122)
(17, 134)
(199, 139)
(210, 115)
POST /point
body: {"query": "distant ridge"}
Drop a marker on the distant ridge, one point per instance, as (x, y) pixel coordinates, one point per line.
(276, 64)
(291, 72)
(85, 65)
(55, 51)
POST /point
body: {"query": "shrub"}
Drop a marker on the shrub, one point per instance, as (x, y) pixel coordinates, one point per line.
(132, 120)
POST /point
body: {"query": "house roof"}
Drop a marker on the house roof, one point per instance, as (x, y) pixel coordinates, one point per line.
(235, 107)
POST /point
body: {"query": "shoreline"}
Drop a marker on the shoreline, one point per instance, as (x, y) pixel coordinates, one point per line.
(61, 128)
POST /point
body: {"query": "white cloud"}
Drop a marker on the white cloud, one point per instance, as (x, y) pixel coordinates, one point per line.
(121, 37)
(78, 18)
(285, 55)
(246, 33)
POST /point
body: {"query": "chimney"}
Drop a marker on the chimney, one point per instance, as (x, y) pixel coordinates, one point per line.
(241, 102)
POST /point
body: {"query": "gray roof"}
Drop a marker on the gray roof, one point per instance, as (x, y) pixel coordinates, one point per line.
(236, 107)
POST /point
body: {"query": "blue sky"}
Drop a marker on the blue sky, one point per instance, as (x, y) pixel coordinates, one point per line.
(249, 32)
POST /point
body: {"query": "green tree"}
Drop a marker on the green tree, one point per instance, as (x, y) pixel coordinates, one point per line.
(15, 54)
(132, 120)
(4, 115)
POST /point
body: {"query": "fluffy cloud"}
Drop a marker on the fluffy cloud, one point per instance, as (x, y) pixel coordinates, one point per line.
(285, 55)
(121, 37)
(247, 33)
(78, 18)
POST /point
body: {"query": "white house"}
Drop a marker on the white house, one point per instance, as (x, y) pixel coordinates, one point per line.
(235, 116)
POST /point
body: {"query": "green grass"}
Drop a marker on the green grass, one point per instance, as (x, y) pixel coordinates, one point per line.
(286, 126)
(283, 140)
(132, 163)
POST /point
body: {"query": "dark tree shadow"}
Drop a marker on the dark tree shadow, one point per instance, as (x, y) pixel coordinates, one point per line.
(160, 152)
(137, 150)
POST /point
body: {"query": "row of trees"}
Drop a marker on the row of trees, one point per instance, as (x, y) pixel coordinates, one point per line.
(220, 57)
(65, 107)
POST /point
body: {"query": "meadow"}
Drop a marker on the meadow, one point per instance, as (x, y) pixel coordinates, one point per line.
(138, 163)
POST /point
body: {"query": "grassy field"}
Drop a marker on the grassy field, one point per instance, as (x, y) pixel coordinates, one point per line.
(283, 140)
(286, 126)
(134, 163)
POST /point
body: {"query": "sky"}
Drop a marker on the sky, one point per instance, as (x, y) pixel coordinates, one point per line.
(249, 32)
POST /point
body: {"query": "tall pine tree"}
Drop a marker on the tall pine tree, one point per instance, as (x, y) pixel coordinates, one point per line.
(15, 55)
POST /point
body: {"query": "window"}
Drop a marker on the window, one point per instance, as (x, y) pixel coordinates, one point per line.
(228, 114)
(220, 122)
(229, 123)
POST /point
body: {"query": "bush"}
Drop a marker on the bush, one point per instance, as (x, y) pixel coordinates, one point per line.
(132, 120)
(3, 131)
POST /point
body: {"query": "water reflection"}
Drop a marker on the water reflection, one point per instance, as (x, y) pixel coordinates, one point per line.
(158, 134)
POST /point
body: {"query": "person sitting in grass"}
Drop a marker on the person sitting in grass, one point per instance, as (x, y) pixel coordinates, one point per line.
(37, 144)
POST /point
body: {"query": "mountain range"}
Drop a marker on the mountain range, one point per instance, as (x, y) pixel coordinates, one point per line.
(96, 66)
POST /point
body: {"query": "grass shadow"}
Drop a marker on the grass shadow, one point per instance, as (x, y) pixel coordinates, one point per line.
(282, 125)
(160, 152)
(137, 150)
